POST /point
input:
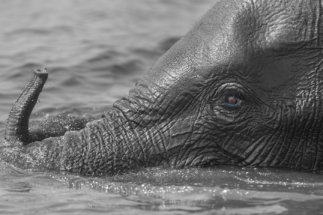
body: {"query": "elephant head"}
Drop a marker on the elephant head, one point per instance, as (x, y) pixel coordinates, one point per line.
(243, 87)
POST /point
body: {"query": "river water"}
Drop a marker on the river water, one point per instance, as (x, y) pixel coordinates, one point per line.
(95, 52)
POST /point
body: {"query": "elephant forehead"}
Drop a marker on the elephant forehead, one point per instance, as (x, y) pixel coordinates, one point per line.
(279, 23)
(234, 31)
(268, 40)
(259, 25)
(274, 41)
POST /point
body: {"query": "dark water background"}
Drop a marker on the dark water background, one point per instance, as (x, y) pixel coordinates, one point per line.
(95, 51)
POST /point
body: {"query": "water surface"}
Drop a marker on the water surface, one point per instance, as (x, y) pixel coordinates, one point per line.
(95, 52)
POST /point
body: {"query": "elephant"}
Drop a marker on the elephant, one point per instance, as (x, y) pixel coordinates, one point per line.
(243, 87)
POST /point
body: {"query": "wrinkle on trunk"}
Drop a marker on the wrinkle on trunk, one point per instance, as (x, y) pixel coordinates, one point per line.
(103, 147)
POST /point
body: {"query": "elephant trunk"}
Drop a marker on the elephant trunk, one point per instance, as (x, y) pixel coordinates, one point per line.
(106, 146)
(17, 123)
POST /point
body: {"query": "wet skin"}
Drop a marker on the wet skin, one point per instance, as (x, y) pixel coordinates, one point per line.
(243, 87)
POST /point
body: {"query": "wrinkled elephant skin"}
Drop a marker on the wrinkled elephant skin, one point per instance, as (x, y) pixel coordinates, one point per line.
(243, 87)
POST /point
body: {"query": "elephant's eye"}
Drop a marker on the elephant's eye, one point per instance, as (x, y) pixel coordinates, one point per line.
(232, 100)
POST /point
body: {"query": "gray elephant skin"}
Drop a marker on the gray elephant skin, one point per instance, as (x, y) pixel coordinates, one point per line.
(242, 87)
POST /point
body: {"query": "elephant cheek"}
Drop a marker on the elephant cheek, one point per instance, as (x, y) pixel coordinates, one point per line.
(190, 144)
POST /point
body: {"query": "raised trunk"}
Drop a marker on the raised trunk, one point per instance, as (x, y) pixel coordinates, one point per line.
(17, 128)
(105, 146)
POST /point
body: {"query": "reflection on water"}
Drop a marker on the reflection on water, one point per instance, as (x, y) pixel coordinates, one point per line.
(221, 190)
(95, 52)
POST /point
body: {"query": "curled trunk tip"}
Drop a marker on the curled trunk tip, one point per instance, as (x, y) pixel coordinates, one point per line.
(41, 72)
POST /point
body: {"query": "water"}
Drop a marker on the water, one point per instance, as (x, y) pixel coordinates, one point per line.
(95, 51)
